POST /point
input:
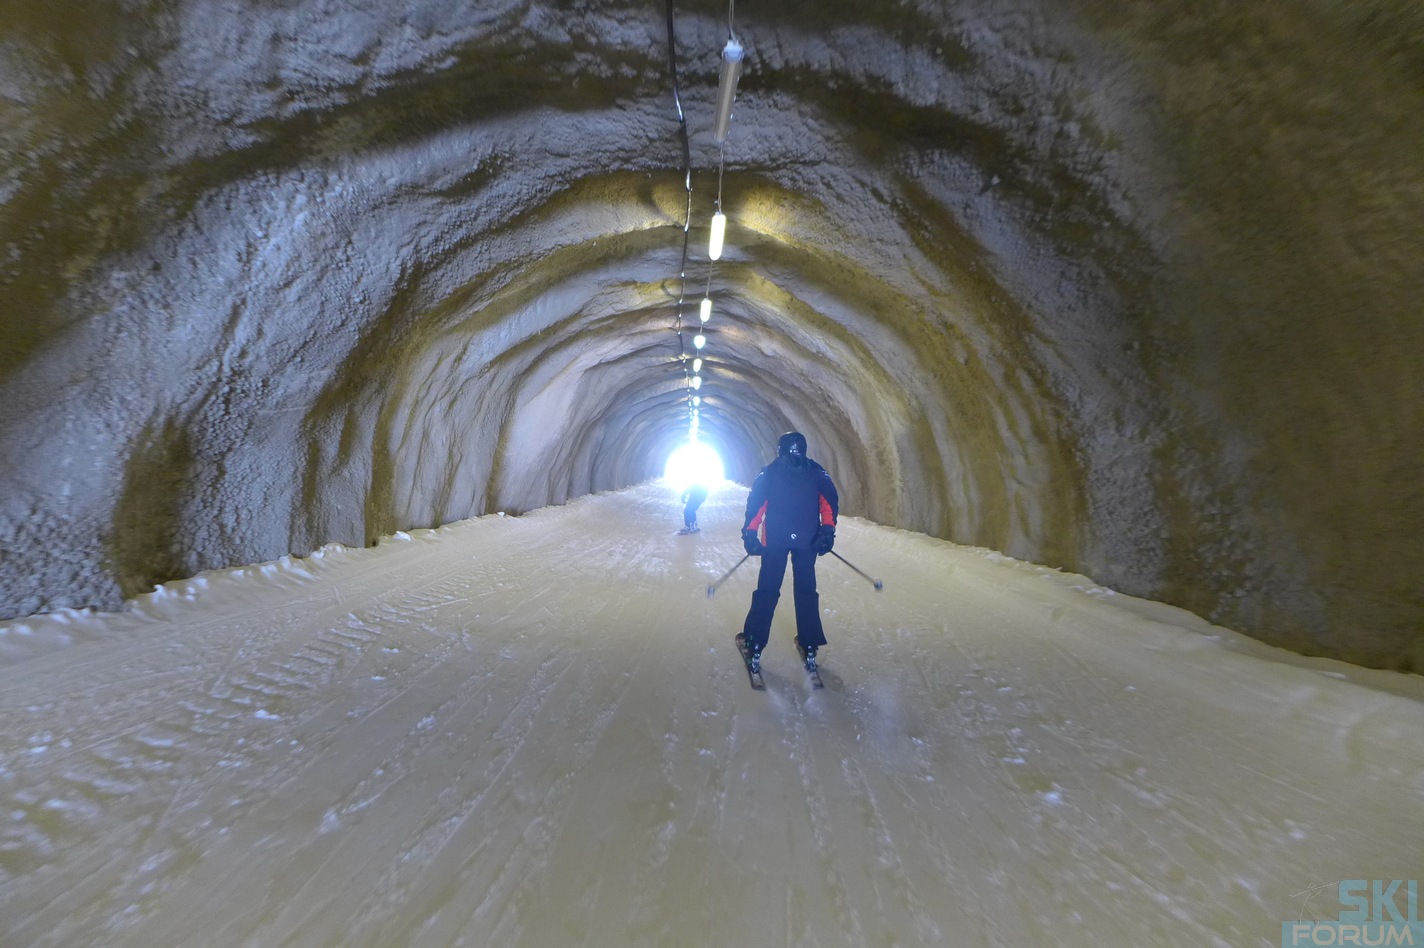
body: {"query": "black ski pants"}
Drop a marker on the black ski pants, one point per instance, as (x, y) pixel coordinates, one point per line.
(757, 628)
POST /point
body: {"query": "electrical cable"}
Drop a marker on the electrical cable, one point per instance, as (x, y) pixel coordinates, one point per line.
(731, 67)
(687, 184)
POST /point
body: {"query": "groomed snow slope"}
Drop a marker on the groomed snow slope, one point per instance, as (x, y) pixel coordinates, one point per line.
(535, 731)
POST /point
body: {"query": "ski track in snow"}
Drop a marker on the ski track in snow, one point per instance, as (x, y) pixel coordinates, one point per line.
(537, 731)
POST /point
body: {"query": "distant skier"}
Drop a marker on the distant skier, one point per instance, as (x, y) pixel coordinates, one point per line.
(693, 498)
(791, 510)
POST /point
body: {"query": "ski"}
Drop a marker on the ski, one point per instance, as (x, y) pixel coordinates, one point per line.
(812, 672)
(755, 676)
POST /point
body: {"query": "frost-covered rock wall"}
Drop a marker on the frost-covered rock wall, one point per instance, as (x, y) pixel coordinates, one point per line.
(1129, 288)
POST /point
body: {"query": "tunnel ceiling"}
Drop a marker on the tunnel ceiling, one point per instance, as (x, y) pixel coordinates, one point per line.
(1129, 288)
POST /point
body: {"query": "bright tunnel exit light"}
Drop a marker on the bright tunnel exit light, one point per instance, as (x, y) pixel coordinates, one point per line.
(694, 463)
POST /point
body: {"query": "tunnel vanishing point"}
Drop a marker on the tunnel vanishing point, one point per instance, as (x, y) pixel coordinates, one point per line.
(1132, 288)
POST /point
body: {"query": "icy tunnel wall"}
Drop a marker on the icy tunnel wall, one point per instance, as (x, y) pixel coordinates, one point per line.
(1129, 288)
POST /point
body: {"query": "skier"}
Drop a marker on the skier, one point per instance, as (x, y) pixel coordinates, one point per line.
(693, 498)
(791, 510)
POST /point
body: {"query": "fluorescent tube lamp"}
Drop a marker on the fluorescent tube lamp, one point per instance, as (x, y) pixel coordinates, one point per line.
(719, 233)
(698, 341)
(727, 89)
(705, 311)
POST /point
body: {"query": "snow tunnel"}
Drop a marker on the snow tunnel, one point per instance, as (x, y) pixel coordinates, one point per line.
(1129, 291)
(342, 346)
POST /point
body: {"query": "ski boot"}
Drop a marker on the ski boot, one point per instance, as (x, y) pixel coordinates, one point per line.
(808, 655)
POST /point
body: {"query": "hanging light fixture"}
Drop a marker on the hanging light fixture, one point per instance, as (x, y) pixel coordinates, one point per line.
(705, 310)
(727, 89)
(696, 400)
(696, 365)
(698, 341)
(719, 234)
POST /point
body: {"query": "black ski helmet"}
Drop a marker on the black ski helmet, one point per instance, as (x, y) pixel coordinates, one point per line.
(791, 445)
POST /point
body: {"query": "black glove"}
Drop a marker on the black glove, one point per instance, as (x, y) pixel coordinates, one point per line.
(751, 544)
(825, 539)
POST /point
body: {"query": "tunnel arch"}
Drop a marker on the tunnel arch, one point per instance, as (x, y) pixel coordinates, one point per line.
(1063, 283)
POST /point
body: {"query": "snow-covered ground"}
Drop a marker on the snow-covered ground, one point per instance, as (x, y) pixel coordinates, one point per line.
(536, 731)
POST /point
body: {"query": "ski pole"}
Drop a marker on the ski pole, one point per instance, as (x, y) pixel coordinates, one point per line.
(874, 582)
(712, 589)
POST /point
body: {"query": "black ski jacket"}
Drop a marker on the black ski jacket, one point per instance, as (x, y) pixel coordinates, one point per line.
(788, 503)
